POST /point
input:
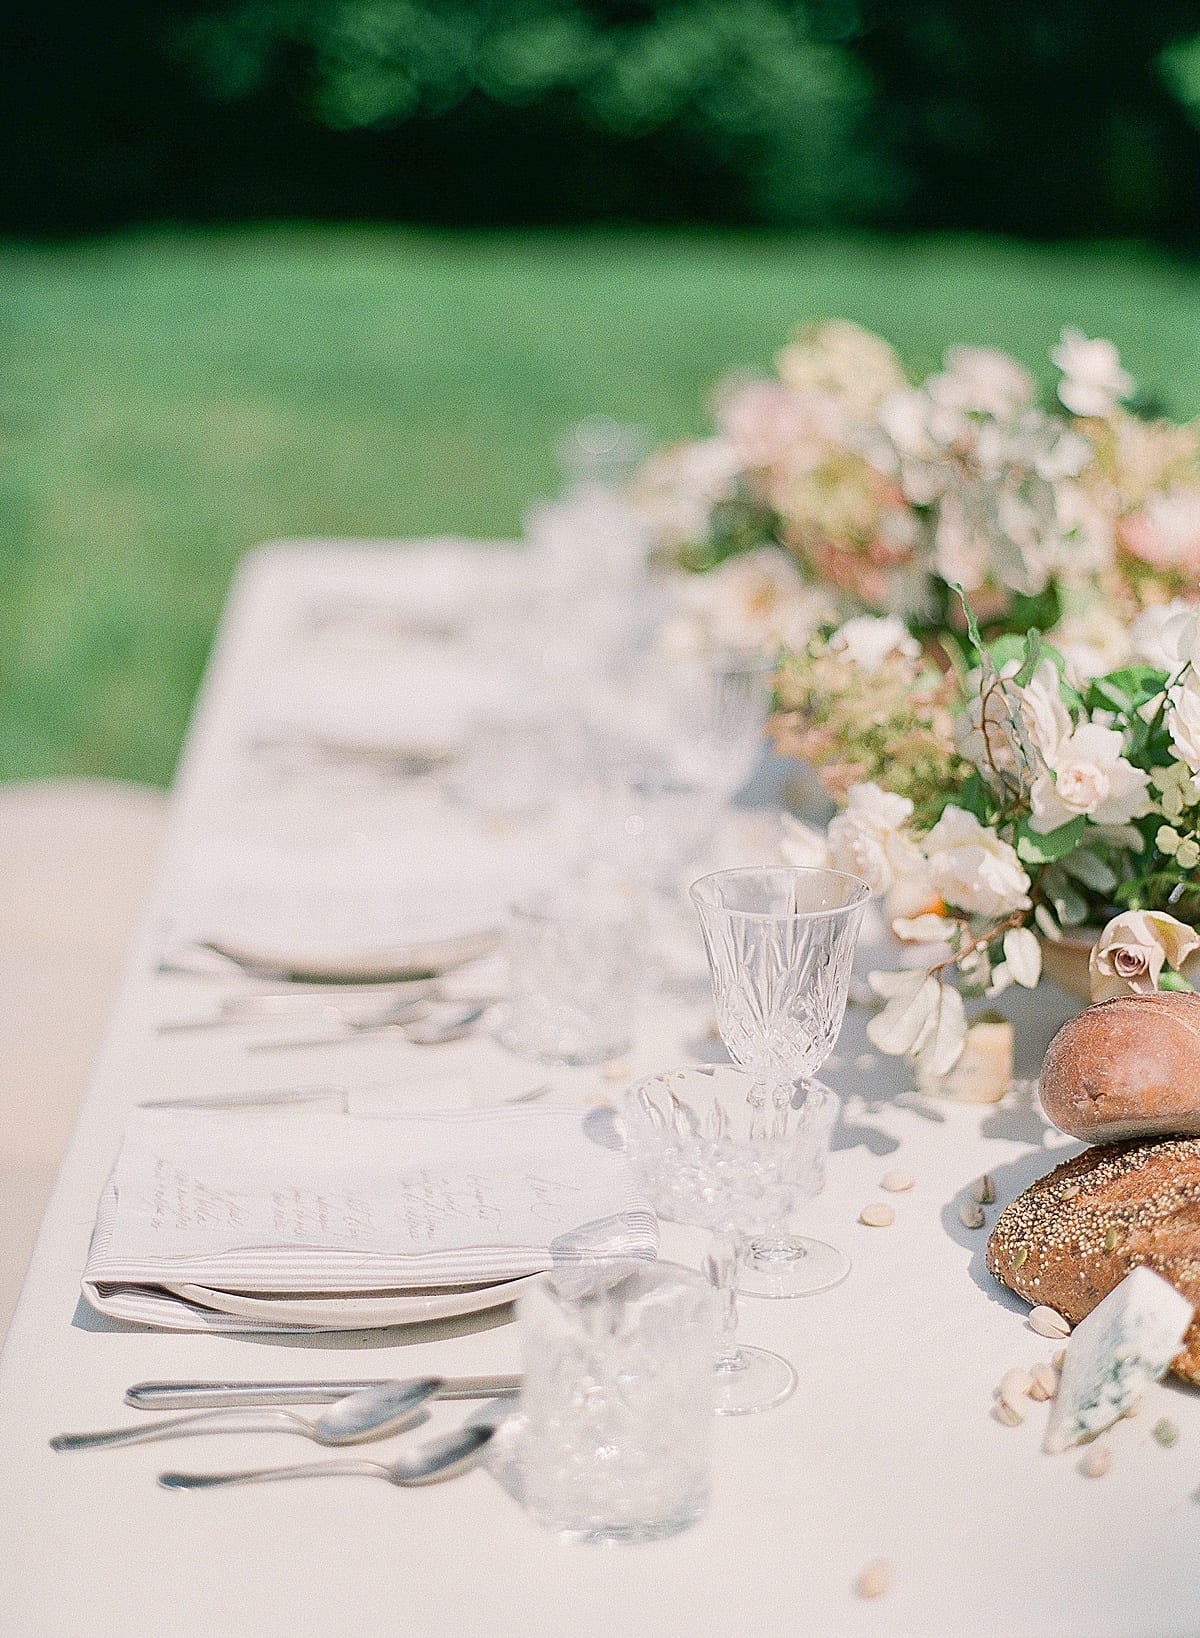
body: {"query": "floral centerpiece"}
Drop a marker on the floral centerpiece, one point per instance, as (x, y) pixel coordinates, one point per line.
(836, 487)
(995, 800)
(983, 607)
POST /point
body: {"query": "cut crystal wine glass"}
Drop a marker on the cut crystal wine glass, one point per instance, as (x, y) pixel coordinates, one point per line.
(780, 943)
(718, 1148)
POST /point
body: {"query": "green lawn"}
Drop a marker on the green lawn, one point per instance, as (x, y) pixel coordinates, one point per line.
(169, 399)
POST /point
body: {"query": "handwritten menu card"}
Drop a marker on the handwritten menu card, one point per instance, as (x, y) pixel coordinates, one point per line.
(267, 1200)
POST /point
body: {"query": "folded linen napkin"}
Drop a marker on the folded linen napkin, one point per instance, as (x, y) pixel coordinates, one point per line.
(312, 1199)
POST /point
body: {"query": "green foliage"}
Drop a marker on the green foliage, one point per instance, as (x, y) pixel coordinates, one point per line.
(1037, 847)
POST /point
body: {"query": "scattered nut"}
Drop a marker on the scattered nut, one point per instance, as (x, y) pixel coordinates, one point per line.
(875, 1579)
(1015, 1383)
(1070, 1190)
(1165, 1431)
(877, 1216)
(1019, 1256)
(616, 1069)
(1048, 1322)
(983, 1190)
(1045, 1381)
(1096, 1462)
(897, 1182)
(972, 1214)
(1112, 1238)
(1012, 1415)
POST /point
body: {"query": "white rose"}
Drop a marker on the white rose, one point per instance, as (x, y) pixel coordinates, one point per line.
(1183, 720)
(1047, 720)
(869, 640)
(985, 732)
(1162, 636)
(1133, 949)
(1088, 775)
(1093, 381)
(867, 838)
(971, 868)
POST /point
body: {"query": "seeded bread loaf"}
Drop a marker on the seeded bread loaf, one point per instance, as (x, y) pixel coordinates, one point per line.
(1075, 1233)
(1126, 1068)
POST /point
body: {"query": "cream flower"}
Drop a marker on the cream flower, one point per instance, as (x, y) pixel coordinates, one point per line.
(1133, 949)
(1088, 775)
(982, 381)
(869, 640)
(923, 1019)
(1161, 636)
(1183, 719)
(985, 733)
(972, 869)
(869, 838)
(1092, 641)
(757, 602)
(1093, 381)
(843, 360)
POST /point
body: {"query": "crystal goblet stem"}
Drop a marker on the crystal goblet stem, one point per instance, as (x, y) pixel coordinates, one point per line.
(748, 1379)
(780, 942)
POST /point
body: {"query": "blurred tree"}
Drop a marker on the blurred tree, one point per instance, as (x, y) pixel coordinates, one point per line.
(1039, 117)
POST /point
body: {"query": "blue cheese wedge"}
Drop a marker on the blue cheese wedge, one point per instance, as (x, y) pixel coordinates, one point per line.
(1124, 1344)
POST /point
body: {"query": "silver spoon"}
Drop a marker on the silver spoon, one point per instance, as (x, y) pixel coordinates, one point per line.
(371, 1414)
(436, 1459)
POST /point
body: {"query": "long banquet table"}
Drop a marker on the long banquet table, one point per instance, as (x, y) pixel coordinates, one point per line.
(888, 1449)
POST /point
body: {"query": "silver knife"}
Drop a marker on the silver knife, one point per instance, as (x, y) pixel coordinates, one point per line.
(181, 1395)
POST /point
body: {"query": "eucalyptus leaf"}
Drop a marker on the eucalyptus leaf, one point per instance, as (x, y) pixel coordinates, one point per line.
(1087, 867)
(1035, 847)
(1047, 924)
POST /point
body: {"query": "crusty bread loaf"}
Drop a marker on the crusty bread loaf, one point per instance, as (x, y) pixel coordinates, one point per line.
(1072, 1237)
(1126, 1068)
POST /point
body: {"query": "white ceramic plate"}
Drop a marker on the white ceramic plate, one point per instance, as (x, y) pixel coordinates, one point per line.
(365, 1312)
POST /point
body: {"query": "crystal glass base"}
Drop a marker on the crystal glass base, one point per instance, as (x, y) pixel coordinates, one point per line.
(658, 1529)
(757, 1380)
(791, 1266)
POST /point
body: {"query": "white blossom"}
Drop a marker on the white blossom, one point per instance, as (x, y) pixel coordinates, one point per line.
(986, 734)
(1160, 635)
(1023, 957)
(1087, 774)
(869, 838)
(757, 602)
(1183, 718)
(983, 381)
(1093, 381)
(869, 640)
(972, 868)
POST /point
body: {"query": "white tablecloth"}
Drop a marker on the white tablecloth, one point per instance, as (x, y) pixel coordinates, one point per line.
(888, 1449)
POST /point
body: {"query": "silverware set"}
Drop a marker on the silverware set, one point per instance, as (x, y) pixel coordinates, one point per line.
(354, 1413)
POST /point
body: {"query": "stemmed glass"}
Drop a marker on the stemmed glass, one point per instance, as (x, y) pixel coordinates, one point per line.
(780, 945)
(717, 1148)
